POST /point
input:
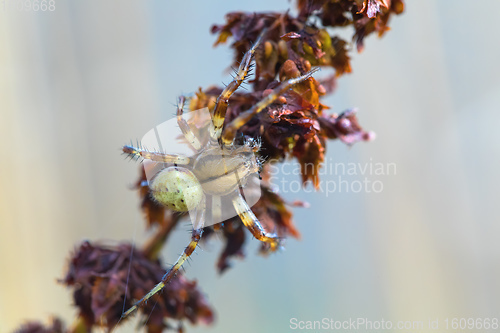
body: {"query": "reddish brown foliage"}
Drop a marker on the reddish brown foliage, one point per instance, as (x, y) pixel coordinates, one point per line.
(103, 276)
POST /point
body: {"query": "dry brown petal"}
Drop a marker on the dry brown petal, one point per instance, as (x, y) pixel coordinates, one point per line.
(310, 154)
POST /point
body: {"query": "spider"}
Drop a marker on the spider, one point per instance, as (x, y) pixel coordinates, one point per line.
(219, 169)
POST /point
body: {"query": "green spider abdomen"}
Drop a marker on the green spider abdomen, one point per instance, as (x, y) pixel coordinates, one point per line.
(177, 188)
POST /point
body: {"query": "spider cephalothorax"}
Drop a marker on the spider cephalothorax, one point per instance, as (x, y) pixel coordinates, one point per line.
(222, 171)
(213, 180)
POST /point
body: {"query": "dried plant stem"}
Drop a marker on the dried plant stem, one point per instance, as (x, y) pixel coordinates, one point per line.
(154, 245)
(79, 326)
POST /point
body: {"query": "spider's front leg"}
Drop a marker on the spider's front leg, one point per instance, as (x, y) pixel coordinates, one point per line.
(155, 156)
(188, 251)
(252, 223)
(222, 102)
(231, 128)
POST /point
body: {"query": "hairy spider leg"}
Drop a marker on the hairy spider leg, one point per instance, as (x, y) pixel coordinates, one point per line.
(188, 251)
(219, 113)
(186, 130)
(155, 156)
(244, 117)
(252, 223)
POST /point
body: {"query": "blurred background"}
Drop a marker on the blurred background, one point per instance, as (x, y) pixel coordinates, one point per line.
(78, 82)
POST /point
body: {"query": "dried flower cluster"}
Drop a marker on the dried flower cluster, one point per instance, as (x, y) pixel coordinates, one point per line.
(296, 126)
(105, 279)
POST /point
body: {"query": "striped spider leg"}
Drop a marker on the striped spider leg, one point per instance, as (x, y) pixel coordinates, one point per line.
(219, 113)
(230, 130)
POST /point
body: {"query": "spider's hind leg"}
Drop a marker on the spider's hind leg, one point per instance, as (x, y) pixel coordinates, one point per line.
(253, 225)
(188, 251)
(195, 238)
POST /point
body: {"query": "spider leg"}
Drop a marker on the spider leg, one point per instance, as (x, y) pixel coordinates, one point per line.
(231, 128)
(195, 238)
(188, 133)
(155, 156)
(252, 223)
(222, 102)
